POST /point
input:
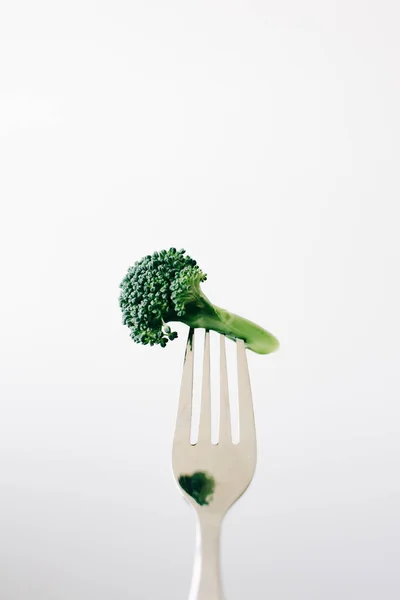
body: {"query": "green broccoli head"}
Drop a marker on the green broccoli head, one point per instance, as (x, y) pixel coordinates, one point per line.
(200, 486)
(165, 287)
(157, 290)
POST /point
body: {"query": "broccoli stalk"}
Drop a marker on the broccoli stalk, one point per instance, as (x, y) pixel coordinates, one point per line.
(234, 327)
(165, 287)
(198, 311)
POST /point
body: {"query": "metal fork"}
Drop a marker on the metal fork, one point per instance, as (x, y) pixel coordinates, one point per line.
(213, 476)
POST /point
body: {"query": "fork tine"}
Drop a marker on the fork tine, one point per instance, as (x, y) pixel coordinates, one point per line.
(225, 433)
(205, 410)
(246, 411)
(184, 417)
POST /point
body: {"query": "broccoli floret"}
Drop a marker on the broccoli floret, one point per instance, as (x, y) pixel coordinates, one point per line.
(200, 486)
(164, 287)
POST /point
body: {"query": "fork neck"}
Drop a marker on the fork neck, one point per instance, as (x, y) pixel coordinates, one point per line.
(206, 582)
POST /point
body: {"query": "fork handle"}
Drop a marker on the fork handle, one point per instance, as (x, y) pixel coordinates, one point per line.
(206, 582)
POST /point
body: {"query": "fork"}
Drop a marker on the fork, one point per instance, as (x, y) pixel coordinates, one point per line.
(212, 477)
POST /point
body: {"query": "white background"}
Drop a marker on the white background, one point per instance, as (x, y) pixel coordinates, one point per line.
(263, 137)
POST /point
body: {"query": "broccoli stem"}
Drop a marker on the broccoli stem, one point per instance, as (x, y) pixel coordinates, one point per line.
(218, 319)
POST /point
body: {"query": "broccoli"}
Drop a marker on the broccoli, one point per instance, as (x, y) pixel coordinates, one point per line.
(200, 486)
(164, 287)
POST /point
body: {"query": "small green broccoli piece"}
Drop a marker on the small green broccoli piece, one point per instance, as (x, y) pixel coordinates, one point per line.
(200, 486)
(165, 287)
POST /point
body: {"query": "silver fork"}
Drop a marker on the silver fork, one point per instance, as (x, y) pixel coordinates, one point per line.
(213, 476)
